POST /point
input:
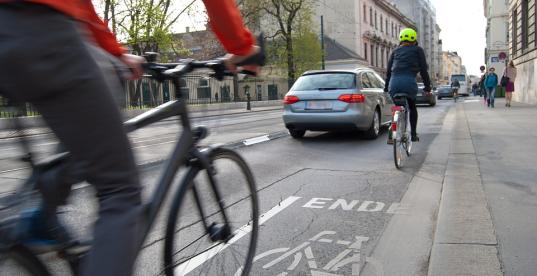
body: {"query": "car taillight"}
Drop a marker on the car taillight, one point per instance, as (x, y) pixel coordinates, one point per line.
(352, 98)
(290, 99)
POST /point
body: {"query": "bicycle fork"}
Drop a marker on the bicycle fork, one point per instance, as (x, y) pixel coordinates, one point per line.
(216, 231)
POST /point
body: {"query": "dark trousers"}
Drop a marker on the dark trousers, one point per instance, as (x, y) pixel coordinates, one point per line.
(413, 115)
(44, 60)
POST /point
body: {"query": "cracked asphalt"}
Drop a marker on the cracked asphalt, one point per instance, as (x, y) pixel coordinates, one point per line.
(342, 189)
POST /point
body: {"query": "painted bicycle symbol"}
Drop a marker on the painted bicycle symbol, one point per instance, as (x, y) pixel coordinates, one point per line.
(350, 256)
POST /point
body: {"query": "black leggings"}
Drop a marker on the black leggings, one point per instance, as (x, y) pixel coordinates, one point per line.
(413, 115)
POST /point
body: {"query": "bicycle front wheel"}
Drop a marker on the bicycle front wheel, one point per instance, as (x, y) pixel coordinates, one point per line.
(213, 229)
(20, 261)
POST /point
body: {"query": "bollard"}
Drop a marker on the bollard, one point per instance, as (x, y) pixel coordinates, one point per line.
(248, 107)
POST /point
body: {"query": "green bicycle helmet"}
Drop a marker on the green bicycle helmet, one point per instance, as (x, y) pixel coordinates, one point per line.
(408, 35)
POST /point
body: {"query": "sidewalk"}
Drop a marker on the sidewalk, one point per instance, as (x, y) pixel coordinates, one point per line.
(34, 125)
(486, 220)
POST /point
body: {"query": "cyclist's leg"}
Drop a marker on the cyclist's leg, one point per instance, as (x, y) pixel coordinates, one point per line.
(413, 117)
(44, 61)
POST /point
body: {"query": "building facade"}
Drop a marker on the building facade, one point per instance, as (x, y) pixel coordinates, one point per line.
(496, 53)
(451, 64)
(368, 30)
(423, 13)
(523, 48)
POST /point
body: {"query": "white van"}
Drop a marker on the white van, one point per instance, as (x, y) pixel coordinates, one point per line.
(463, 81)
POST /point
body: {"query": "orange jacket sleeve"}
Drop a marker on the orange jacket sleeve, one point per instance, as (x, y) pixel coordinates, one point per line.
(102, 35)
(226, 22)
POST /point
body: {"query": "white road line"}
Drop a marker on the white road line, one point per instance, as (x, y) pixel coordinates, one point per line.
(241, 232)
(256, 140)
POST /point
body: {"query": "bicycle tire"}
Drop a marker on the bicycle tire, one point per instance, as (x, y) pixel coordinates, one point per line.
(397, 140)
(19, 260)
(173, 232)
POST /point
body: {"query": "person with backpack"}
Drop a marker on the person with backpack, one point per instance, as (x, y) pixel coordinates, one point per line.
(491, 82)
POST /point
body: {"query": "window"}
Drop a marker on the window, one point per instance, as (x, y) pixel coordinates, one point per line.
(375, 82)
(365, 51)
(325, 82)
(393, 30)
(365, 13)
(372, 55)
(382, 57)
(525, 24)
(387, 32)
(204, 90)
(376, 21)
(183, 89)
(371, 16)
(259, 92)
(515, 33)
(381, 24)
(377, 56)
(366, 83)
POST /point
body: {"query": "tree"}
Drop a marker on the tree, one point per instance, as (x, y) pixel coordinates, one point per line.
(293, 25)
(144, 26)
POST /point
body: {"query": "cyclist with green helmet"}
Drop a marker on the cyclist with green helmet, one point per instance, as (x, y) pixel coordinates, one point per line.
(405, 63)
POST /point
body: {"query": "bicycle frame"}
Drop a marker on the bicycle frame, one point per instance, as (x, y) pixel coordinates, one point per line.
(184, 150)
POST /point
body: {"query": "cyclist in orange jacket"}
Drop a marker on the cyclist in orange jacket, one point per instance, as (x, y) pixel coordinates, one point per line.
(51, 55)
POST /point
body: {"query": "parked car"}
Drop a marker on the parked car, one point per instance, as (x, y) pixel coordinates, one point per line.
(424, 98)
(337, 100)
(444, 91)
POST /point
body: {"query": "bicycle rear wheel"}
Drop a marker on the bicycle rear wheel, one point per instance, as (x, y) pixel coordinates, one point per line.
(20, 261)
(206, 245)
(398, 141)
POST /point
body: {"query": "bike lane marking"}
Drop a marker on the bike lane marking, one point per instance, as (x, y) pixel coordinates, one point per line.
(239, 233)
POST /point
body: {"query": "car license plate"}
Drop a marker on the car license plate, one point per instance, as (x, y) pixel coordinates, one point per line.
(319, 105)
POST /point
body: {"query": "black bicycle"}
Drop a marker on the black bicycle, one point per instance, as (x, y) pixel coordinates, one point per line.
(212, 225)
(402, 142)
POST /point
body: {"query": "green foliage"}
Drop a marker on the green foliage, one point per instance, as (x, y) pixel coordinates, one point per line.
(293, 32)
(144, 25)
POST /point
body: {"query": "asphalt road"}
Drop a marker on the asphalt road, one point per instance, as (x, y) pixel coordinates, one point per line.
(326, 198)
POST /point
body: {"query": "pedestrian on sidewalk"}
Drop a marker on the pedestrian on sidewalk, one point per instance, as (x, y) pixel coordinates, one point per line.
(491, 82)
(482, 90)
(510, 73)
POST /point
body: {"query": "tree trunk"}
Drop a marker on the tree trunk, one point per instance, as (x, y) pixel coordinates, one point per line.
(290, 61)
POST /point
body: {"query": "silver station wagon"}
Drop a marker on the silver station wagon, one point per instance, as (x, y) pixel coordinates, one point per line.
(337, 100)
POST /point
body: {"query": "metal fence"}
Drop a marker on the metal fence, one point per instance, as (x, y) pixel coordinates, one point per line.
(9, 110)
(195, 89)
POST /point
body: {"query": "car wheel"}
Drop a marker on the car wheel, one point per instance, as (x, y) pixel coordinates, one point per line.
(297, 133)
(439, 98)
(374, 129)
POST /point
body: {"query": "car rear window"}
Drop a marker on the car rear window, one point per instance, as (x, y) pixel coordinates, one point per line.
(328, 81)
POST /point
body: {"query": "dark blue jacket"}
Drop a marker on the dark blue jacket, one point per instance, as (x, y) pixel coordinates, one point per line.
(406, 62)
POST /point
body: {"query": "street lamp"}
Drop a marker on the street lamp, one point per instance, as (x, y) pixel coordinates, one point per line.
(247, 92)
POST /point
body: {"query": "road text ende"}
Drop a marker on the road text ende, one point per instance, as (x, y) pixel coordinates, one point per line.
(351, 205)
